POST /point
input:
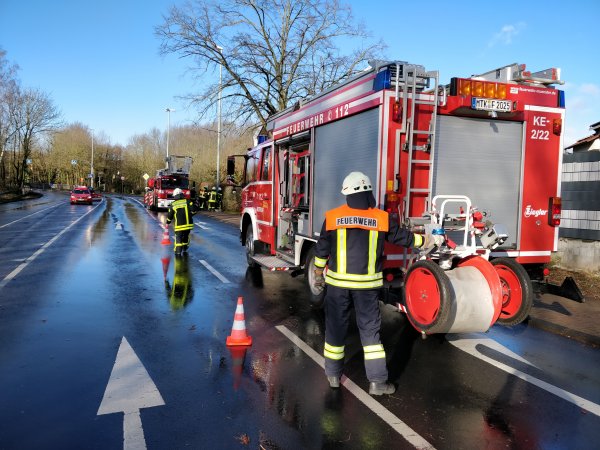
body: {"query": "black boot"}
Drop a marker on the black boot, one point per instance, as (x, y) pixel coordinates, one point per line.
(381, 388)
(334, 382)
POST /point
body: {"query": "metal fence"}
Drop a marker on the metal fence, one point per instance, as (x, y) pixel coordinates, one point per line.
(580, 218)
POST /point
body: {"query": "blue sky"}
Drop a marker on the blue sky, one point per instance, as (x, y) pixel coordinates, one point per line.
(99, 60)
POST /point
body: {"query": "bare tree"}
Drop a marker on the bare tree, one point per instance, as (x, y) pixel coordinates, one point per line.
(9, 94)
(273, 53)
(36, 114)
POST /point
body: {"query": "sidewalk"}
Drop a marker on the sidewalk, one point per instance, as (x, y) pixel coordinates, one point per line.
(579, 321)
(569, 318)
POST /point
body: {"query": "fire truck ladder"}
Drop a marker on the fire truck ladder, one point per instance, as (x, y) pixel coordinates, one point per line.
(412, 83)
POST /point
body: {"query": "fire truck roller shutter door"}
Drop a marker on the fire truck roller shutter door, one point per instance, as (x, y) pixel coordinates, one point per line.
(342, 147)
(481, 158)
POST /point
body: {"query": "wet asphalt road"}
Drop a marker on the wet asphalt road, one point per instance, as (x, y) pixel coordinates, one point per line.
(89, 291)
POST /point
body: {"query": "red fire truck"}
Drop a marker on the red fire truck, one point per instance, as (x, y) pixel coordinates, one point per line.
(176, 174)
(480, 157)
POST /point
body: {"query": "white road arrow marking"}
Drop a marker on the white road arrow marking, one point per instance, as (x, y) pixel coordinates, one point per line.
(130, 389)
(468, 344)
(471, 340)
(202, 225)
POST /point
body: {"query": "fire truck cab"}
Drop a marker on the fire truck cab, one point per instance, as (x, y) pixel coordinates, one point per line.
(159, 189)
(494, 139)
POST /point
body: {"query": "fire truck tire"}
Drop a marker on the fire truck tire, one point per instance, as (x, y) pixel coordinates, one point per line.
(428, 294)
(517, 291)
(316, 293)
(252, 247)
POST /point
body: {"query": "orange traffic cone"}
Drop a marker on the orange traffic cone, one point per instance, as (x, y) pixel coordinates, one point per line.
(238, 354)
(165, 239)
(238, 331)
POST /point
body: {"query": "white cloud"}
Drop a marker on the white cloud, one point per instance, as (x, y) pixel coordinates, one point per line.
(590, 89)
(581, 110)
(506, 34)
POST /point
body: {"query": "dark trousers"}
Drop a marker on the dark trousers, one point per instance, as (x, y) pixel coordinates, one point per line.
(338, 303)
(182, 241)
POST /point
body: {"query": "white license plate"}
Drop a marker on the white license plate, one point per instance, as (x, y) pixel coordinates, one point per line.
(491, 104)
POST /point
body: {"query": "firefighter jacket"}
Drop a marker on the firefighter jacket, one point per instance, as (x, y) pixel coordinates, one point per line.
(351, 245)
(181, 210)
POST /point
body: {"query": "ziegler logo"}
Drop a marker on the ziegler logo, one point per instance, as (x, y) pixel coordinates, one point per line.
(530, 212)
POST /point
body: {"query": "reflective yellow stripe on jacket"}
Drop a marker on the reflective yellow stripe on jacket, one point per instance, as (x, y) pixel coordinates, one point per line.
(182, 215)
(341, 221)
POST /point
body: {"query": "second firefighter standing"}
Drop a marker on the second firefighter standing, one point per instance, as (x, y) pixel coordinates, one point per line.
(215, 199)
(181, 212)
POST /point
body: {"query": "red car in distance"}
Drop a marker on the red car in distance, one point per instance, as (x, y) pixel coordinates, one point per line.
(81, 194)
(96, 196)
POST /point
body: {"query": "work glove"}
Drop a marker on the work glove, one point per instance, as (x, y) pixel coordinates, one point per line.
(319, 279)
(433, 240)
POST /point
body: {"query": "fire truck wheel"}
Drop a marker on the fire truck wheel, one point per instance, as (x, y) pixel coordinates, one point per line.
(316, 293)
(517, 291)
(429, 296)
(252, 247)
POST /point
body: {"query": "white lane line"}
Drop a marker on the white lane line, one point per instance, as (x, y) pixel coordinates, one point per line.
(202, 225)
(130, 389)
(469, 346)
(393, 421)
(29, 215)
(214, 271)
(41, 250)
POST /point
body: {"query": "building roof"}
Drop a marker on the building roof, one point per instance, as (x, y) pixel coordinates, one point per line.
(595, 127)
(585, 140)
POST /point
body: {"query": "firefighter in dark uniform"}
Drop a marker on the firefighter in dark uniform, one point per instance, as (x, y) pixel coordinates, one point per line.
(204, 198)
(181, 210)
(351, 245)
(219, 198)
(201, 202)
(212, 199)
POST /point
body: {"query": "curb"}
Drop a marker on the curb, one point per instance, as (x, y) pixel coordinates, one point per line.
(584, 338)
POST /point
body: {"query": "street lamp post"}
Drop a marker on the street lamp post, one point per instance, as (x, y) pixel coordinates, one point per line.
(220, 49)
(92, 162)
(169, 110)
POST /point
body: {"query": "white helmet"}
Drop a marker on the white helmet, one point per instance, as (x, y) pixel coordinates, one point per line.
(177, 192)
(356, 182)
